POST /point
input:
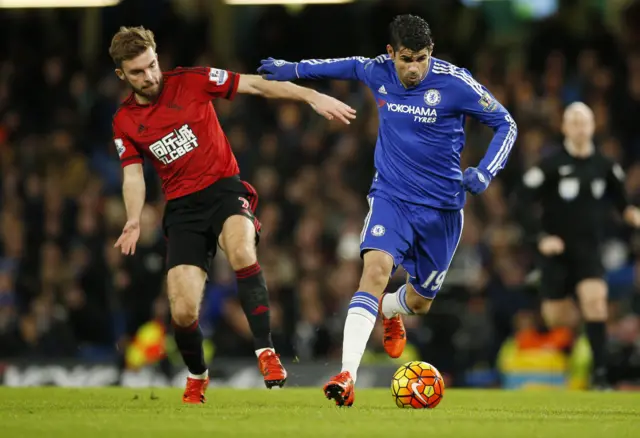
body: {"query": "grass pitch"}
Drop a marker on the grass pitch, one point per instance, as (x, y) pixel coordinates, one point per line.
(301, 413)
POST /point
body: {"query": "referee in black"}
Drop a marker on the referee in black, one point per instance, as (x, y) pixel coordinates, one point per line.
(576, 190)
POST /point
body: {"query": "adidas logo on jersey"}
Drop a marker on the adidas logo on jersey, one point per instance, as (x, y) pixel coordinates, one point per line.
(382, 90)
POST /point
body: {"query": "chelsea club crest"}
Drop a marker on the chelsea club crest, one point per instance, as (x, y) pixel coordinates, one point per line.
(432, 97)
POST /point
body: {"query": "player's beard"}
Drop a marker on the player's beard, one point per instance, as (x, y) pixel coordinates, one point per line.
(409, 80)
(149, 91)
(412, 80)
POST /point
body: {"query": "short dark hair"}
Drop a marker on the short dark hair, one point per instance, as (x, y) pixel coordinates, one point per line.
(411, 32)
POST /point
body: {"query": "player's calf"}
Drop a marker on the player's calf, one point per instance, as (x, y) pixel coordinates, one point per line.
(592, 295)
(185, 285)
(418, 304)
(238, 241)
(363, 309)
(405, 301)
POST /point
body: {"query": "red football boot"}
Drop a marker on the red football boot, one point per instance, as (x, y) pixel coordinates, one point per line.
(394, 338)
(340, 388)
(272, 369)
(194, 392)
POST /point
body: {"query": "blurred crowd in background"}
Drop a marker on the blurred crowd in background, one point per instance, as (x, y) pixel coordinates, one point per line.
(65, 291)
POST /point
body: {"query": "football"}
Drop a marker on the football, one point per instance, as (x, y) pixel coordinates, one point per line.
(417, 385)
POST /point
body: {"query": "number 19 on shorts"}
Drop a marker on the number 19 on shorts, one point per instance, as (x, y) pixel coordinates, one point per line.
(434, 280)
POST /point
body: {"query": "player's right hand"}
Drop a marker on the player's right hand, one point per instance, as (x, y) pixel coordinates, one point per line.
(551, 245)
(278, 70)
(129, 237)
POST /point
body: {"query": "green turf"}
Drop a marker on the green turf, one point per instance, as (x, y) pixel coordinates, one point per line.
(117, 412)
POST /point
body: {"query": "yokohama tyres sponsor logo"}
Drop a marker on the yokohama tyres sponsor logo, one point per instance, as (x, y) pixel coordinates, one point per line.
(420, 114)
(411, 109)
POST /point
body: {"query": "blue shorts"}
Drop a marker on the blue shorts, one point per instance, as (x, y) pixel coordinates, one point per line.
(420, 238)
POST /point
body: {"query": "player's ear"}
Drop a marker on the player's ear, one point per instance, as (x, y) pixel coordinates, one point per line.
(390, 51)
(120, 74)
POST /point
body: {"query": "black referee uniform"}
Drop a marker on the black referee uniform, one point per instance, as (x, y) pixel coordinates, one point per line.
(576, 195)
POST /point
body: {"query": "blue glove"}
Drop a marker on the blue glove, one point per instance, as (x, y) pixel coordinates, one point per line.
(475, 181)
(278, 70)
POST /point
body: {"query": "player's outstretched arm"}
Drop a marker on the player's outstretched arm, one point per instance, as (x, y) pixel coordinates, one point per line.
(133, 193)
(324, 105)
(353, 68)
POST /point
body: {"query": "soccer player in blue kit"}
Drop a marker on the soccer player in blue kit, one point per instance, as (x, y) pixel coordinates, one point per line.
(415, 214)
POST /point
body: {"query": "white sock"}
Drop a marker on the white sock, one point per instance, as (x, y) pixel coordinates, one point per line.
(260, 350)
(200, 376)
(396, 303)
(361, 318)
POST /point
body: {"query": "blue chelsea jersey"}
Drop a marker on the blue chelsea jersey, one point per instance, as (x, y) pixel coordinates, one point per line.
(421, 129)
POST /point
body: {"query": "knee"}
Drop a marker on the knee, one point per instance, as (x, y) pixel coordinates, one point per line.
(241, 255)
(375, 278)
(185, 284)
(417, 303)
(184, 313)
(557, 315)
(553, 320)
(594, 309)
(592, 295)
(238, 241)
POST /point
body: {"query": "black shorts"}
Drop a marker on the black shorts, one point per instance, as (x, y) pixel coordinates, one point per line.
(562, 273)
(192, 224)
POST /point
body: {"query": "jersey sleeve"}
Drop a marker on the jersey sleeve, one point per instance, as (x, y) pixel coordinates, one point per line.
(213, 83)
(356, 68)
(127, 151)
(616, 188)
(476, 101)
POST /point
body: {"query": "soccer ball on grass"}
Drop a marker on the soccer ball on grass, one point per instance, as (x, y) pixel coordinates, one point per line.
(417, 385)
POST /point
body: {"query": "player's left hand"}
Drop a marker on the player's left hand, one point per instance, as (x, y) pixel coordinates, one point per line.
(331, 108)
(278, 70)
(632, 216)
(475, 181)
